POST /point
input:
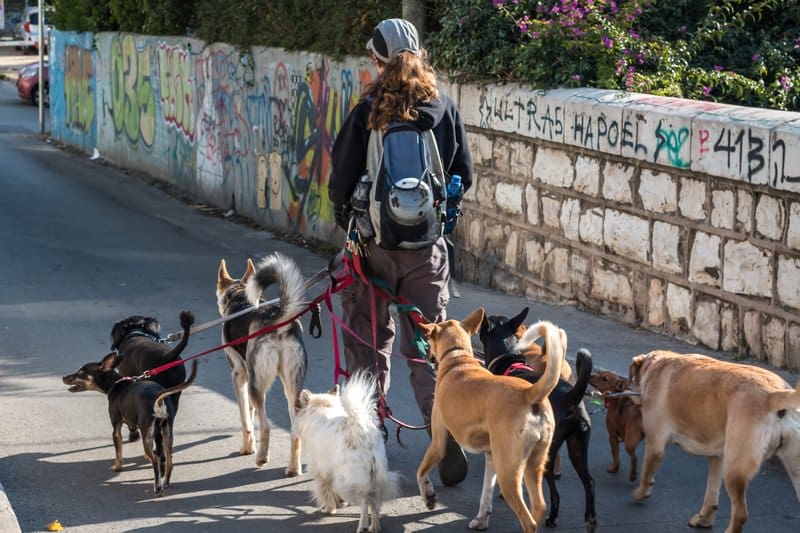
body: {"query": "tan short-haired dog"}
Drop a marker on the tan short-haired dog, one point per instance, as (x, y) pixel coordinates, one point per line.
(737, 415)
(507, 419)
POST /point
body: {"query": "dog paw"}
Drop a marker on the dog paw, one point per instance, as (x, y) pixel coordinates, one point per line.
(591, 525)
(293, 472)
(551, 522)
(480, 523)
(642, 493)
(247, 450)
(261, 461)
(117, 467)
(632, 476)
(430, 501)
(701, 522)
(613, 469)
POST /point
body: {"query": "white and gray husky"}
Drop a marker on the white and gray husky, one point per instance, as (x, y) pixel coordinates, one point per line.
(279, 353)
(344, 449)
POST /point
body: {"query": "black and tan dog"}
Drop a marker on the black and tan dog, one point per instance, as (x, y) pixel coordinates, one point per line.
(504, 355)
(139, 348)
(507, 419)
(138, 403)
(280, 353)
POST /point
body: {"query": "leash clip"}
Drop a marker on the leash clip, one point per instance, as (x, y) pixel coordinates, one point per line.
(315, 324)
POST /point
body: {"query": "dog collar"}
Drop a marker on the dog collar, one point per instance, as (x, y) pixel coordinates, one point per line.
(517, 366)
(136, 333)
(500, 358)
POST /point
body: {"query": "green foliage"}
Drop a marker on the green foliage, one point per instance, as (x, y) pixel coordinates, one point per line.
(744, 52)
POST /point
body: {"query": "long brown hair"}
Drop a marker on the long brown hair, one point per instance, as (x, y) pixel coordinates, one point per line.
(406, 80)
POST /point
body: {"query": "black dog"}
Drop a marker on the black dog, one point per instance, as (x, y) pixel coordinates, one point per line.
(573, 425)
(138, 403)
(138, 349)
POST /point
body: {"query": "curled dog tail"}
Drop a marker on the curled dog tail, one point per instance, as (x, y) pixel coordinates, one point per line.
(159, 409)
(279, 269)
(187, 319)
(358, 397)
(556, 352)
(785, 399)
(583, 367)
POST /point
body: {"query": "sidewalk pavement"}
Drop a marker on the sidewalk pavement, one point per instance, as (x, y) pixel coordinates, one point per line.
(12, 60)
(8, 520)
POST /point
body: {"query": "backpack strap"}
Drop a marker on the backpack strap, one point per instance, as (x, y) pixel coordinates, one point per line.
(433, 153)
(374, 153)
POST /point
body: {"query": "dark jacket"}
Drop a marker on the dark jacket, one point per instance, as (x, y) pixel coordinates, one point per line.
(350, 147)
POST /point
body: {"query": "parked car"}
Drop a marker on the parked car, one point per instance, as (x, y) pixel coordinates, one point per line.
(28, 83)
(30, 27)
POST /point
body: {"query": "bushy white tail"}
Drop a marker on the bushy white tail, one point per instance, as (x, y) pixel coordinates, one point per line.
(358, 397)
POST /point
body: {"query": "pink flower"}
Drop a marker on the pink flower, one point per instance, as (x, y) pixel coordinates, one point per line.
(786, 83)
(576, 77)
(498, 3)
(718, 68)
(608, 43)
(706, 90)
(756, 57)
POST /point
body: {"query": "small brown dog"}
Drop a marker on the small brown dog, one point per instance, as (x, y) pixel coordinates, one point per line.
(507, 419)
(623, 417)
(736, 415)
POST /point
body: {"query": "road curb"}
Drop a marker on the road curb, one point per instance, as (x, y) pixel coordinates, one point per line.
(8, 519)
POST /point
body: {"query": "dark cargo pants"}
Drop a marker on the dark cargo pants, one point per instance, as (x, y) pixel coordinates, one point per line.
(420, 276)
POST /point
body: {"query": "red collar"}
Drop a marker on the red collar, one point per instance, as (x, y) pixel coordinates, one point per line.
(517, 366)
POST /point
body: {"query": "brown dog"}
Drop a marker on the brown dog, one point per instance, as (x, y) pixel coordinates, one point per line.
(623, 417)
(507, 419)
(737, 415)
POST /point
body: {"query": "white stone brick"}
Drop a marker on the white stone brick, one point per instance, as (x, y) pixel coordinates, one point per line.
(658, 191)
(706, 325)
(534, 257)
(522, 159)
(587, 175)
(793, 236)
(611, 287)
(553, 167)
(571, 218)
(769, 217)
(475, 238)
(481, 147)
(774, 339)
(666, 247)
(730, 330)
(591, 229)
(484, 192)
(747, 270)
(501, 155)
(793, 347)
(551, 208)
(693, 199)
(789, 281)
(744, 211)
(510, 256)
(752, 333)
(704, 260)
(722, 203)
(655, 303)
(627, 235)
(508, 197)
(580, 272)
(679, 304)
(617, 182)
(532, 204)
(556, 266)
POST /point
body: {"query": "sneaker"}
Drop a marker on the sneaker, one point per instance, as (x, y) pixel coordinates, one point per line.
(453, 468)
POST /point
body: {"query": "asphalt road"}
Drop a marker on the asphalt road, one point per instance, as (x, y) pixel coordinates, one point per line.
(84, 244)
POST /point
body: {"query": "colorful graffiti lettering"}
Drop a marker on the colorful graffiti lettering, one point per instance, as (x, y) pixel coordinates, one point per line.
(176, 89)
(673, 142)
(132, 98)
(78, 88)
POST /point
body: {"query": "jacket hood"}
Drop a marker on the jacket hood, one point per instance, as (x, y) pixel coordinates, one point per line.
(430, 113)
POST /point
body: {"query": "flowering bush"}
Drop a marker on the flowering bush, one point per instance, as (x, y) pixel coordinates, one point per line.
(744, 52)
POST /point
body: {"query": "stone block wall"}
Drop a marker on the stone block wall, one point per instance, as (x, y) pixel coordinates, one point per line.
(672, 215)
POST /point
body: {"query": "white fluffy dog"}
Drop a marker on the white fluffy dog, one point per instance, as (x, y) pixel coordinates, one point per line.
(345, 449)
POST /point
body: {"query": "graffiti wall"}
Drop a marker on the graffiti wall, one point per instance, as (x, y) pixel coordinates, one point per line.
(251, 133)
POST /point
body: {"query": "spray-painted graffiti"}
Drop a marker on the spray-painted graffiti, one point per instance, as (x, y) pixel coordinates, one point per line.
(132, 98)
(176, 88)
(527, 115)
(79, 88)
(673, 142)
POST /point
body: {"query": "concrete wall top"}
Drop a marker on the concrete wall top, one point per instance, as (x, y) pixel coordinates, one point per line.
(747, 144)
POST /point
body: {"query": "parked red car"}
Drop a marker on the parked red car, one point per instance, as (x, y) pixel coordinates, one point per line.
(28, 83)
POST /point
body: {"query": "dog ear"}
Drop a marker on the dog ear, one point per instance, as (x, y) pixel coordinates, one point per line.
(473, 322)
(109, 362)
(516, 321)
(428, 328)
(222, 273)
(248, 271)
(633, 370)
